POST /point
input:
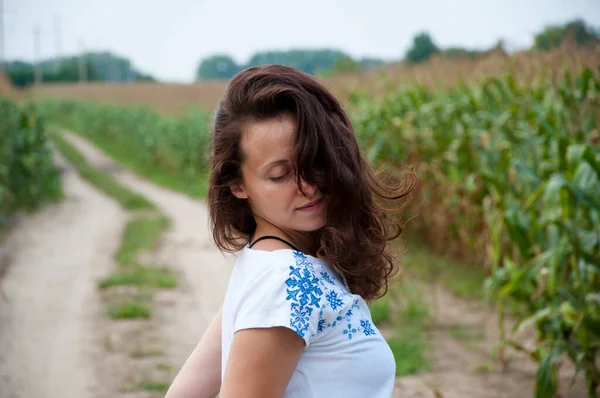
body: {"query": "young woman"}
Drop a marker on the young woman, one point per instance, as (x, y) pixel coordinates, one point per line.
(292, 195)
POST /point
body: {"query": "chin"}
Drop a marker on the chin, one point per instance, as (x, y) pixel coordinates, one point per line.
(310, 227)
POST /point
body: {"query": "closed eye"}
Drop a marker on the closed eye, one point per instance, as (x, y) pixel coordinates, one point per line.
(280, 178)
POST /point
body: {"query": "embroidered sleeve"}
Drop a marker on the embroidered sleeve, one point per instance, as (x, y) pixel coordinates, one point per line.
(286, 293)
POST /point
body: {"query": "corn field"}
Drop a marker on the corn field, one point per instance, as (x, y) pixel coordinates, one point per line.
(146, 140)
(510, 174)
(509, 179)
(28, 177)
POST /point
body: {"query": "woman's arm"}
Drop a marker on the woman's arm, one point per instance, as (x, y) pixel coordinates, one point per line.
(200, 376)
(261, 362)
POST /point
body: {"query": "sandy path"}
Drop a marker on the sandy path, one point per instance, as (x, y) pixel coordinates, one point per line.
(48, 339)
(184, 313)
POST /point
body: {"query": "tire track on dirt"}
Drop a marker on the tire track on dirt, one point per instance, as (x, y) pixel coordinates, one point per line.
(182, 314)
(49, 340)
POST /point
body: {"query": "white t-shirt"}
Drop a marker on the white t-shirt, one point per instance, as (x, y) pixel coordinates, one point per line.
(345, 355)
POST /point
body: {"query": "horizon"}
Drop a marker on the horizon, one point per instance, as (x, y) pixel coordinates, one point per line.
(168, 43)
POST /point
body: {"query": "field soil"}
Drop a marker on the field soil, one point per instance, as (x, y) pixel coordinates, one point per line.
(56, 340)
(463, 350)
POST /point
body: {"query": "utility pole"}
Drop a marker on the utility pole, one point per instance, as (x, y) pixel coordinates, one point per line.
(37, 60)
(57, 43)
(82, 66)
(2, 60)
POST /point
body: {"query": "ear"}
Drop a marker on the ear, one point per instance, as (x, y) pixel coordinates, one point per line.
(237, 189)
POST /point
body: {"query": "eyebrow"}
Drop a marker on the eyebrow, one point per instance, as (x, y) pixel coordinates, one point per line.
(274, 162)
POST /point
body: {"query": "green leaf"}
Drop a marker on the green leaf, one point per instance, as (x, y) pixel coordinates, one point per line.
(578, 153)
(535, 318)
(546, 383)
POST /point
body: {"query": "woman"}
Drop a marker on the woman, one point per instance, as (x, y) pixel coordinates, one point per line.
(291, 193)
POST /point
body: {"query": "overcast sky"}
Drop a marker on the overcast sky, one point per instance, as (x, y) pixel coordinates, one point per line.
(168, 38)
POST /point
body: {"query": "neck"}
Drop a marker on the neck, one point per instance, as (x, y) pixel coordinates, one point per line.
(304, 241)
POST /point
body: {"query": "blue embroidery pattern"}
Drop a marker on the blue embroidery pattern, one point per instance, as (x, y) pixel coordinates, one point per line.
(322, 325)
(300, 318)
(327, 278)
(350, 331)
(366, 326)
(305, 290)
(348, 315)
(334, 301)
(305, 285)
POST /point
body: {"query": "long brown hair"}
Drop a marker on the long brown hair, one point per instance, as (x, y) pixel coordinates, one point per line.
(327, 155)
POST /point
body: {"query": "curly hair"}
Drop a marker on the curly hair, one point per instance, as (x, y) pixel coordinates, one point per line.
(326, 155)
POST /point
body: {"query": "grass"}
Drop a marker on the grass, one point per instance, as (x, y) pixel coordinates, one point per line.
(482, 368)
(126, 155)
(147, 386)
(164, 367)
(128, 199)
(405, 310)
(145, 353)
(141, 233)
(141, 276)
(463, 281)
(409, 353)
(380, 310)
(129, 308)
(463, 333)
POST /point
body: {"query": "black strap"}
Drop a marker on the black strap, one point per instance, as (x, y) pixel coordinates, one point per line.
(276, 238)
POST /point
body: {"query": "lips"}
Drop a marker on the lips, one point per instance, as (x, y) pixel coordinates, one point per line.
(311, 204)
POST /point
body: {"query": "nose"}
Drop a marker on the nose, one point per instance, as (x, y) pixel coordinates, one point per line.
(309, 190)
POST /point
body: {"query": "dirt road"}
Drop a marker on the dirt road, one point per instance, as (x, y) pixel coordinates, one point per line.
(55, 340)
(48, 339)
(186, 248)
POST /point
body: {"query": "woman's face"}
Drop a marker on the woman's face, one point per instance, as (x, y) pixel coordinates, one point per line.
(267, 178)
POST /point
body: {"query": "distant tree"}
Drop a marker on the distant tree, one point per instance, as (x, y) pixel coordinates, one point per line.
(345, 64)
(553, 35)
(313, 61)
(217, 67)
(145, 78)
(22, 74)
(422, 48)
(99, 67)
(307, 60)
(456, 52)
(114, 68)
(368, 63)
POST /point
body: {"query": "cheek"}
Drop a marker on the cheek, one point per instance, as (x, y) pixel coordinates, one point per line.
(274, 198)
(279, 196)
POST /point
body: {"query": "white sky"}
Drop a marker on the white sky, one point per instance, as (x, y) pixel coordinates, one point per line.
(168, 38)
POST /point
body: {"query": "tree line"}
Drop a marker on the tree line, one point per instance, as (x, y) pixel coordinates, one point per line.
(92, 66)
(327, 61)
(107, 67)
